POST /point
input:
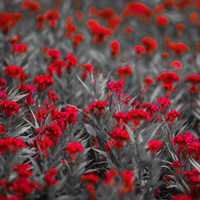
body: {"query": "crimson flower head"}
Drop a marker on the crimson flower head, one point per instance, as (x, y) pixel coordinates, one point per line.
(128, 178)
(14, 71)
(137, 9)
(155, 145)
(179, 48)
(88, 69)
(99, 32)
(125, 72)
(120, 134)
(9, 108)
(150, 44)
(162, 21)
(97, 107)
(71, 60)
(71, 113)
(8, 20)
(168, 78)
(139, 49)
(19, 48)
(31, 5)
(181, 197)
(43, 81)
(74, 148)
(115, 47)
(52, 16)
(116, 86)
(90, 178)
(194, 80)
(50, 177)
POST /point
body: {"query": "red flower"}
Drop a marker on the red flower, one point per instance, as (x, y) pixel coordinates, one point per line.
(9, 108)
(120, 134)
(139, 49)
(97, 107)
(137, 115)
(181, 197)
(138, 9)
(125, 72)
(71, 60)
(31, 5)
(74, 148)
(52, 16)
(100, 32)
(90, 178)
(177, 64)
(116, 86)
(115, 47)
(11, 144)
(162, 21)
(24, 187)
(150, 44)
(155, 145)
(50, 177)
(24, 170)
(88, 69)
(128, 178)
(179, 48)
(71, 114)
(168, 78)
(172, 116)
(53, 53)
(110, 177)
(19, 48)
(8, 20)
(43, 81)
(2, 129)
(14, 71)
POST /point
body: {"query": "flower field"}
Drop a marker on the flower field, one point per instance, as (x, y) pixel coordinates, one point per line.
(100, 100)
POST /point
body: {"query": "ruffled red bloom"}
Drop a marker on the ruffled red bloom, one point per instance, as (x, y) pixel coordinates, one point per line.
(88, 69)
(139, 49)
(52, 16)
(8, 20)
(128, 178)
(97, 107)
(164, 102)
(181, 197)
(9, 108)
(179, 48)
(11, 145)
(100, 32)
(115, 47)
(31, 5)
(24, 170)
(121, 117)
(50, 177)
(177, 64)
(116, 86)
(71, 60)
(53, 53)
(19, 48)
(90, 178)
(162, 21)
(24, 187)
(43, 81)
(14, 71)
(71, 114)
(172, 116)
(168, 78)
(74, 149)
(2, 129)
(53, 96)
(137, 115)
(125, 72)
(138, 9)
(120, 134)
(110, 177)
(150, 44)
(194, 80)
(155, 145)
(77, 39)
(56, 67)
